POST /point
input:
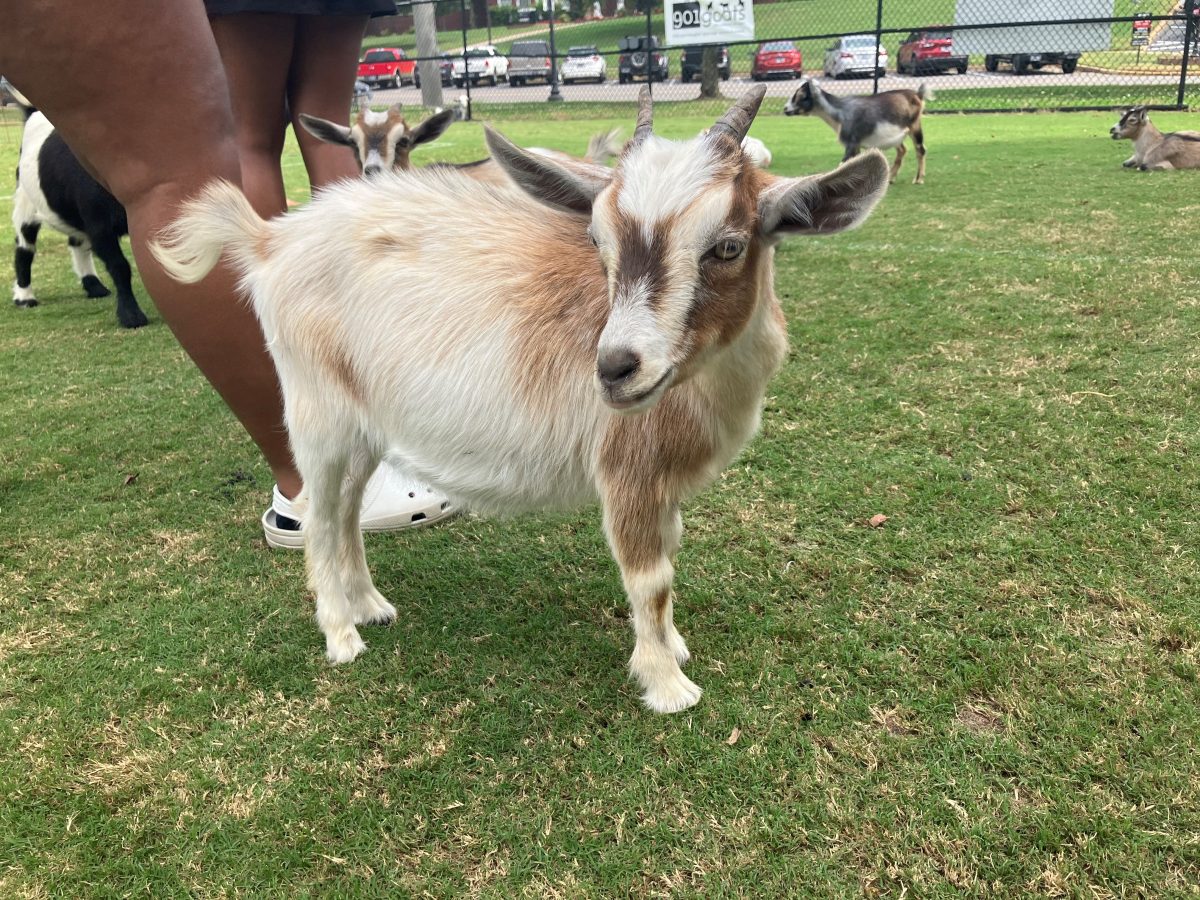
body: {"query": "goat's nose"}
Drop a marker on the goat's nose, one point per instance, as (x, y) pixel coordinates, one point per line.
(372, 170)
(615, 366)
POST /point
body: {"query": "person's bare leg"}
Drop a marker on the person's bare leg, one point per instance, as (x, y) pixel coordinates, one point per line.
(137, 90)
(322, 84)
(256, 49)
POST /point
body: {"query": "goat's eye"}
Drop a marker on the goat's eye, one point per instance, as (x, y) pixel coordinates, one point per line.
(592, 237)
(727, 249)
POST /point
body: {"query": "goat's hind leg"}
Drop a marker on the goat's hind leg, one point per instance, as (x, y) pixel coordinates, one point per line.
(644, 535)
(918, 139)
(897, 162)
(368, 605)
(85, 269)
(323, 460)
(26, 228)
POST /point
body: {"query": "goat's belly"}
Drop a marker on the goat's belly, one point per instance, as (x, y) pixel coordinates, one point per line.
(885, 136)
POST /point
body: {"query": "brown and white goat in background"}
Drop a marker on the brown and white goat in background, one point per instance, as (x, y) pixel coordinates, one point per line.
(882, 121)
(1151, 148)
(620, 350)
(383, 141)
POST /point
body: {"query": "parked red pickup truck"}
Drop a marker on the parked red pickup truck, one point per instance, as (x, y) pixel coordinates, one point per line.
(386, 66)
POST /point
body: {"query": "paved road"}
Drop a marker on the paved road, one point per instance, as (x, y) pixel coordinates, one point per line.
(676, 90)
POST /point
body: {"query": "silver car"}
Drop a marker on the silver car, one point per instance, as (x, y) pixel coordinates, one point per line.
(854, 54)
(583, 64)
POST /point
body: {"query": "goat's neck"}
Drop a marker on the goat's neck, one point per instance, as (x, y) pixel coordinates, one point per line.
(735, 382)
(1148, 138)
(829, 108)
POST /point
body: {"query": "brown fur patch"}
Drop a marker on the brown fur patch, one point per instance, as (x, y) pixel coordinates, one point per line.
(560, 315)
(648, 463)
(321, 339)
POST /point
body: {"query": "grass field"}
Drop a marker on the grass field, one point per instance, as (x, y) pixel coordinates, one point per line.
(992, 694)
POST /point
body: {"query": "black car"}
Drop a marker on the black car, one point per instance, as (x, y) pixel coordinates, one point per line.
(1023, 62)
(445, 67)
(641, 58)
(691, 63)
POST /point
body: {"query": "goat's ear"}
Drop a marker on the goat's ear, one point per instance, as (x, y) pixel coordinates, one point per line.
(823, 204)
(324, 130)
(431, 129)
(570, 187)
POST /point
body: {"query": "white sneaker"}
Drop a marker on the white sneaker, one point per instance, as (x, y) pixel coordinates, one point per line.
(390, 502)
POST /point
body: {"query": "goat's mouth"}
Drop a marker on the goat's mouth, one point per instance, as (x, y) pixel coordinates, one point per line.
(641, 400)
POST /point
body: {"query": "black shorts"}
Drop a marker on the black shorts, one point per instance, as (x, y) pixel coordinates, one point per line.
(302, 7)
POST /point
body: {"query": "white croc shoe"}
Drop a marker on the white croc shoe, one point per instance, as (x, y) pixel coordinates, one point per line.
(390, 502)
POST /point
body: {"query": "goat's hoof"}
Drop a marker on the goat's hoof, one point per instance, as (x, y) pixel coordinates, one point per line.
(94, 287)
(343, 645)
(374, 609)
(672, 694)
(918, 181)
(134, 318)
(25, 304)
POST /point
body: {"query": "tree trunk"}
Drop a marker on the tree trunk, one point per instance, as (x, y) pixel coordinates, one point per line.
(709, 79)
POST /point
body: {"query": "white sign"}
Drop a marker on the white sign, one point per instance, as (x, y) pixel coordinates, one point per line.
(709, 21)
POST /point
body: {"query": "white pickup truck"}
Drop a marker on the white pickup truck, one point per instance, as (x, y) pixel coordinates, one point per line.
(482, 64)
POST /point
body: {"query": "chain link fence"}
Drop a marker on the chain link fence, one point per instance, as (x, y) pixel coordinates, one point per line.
(979, 55)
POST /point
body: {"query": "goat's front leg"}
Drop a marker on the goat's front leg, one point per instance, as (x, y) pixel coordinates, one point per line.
(26, 249)
(851, 152)
(1131, 162)
(644, 536)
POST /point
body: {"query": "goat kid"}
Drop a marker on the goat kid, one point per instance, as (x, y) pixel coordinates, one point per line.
(1151, 148)
(54, 189)
(383, 141)
(621, 350)
(883, 120)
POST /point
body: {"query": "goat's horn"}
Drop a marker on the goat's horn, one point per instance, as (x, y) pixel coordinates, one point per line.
(736, 122)
(645, 117)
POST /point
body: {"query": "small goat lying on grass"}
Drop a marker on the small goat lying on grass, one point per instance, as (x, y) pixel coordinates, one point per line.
(54, 189)
(1151, 148)
(883, 120)
(383, 141)
(620, 350)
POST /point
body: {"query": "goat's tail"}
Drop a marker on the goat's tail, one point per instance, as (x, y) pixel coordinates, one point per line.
(220, 220)
(603, 146)
(925, 92)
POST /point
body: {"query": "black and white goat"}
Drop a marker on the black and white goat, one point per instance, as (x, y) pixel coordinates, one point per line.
(54, 189)
(620, 350)
(881, 121)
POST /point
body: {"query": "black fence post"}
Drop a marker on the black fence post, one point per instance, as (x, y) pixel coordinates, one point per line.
(1189, 37)
(462, 21)
(650, 45)
(878, 44)
(555, 94)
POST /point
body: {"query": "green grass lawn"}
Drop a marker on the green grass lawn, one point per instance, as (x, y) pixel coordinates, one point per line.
(992, 694)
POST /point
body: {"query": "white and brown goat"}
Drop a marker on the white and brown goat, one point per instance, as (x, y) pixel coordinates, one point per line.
(381, 141)
(620, 350)
(1151, 148)
(882, 121)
